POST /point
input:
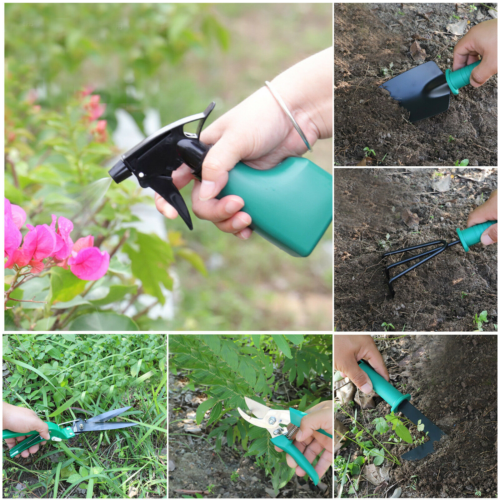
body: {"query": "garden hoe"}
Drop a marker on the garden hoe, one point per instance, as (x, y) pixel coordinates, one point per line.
(425, 91)
(400, 402)
(94, 424)
(290, 204)
(283, 425)
(467, 237)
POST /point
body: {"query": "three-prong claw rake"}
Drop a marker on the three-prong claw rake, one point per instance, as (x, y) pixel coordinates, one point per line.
(467, 237)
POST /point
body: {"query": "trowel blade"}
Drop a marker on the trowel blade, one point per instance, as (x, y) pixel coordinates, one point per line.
(423, 91)
(432, 430)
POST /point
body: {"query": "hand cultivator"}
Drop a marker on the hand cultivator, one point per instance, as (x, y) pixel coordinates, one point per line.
(283, 425)
(467, 237)
(78, 426)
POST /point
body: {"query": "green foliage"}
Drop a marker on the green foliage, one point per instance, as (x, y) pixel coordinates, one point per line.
(369, 152)
(387, 326)
(230, 367)
(462, 163)
(52, 373)
(480, 320)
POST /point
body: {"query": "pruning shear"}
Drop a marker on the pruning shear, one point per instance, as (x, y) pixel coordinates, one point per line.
(283, 437)
(78, 426)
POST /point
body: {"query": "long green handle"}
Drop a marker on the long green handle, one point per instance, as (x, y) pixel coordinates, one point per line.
(296, 418)
(286, 445)
(459, 78)
(472, 235)
(383, 388)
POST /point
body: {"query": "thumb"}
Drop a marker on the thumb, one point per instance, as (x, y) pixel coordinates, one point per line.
(43, 429)
(221, 158)
(358, 377)
(483, 72)
(490, 235)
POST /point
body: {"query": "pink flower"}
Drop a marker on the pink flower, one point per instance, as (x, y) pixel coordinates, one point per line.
(64, 243)
(89, 263)
(14, 218)
(39, 243)
(95, 108)
(100, 131)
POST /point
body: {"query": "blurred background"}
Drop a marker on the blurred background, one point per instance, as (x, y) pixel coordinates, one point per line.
(153, 64)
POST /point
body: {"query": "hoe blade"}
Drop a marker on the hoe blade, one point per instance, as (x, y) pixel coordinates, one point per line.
(423, 91)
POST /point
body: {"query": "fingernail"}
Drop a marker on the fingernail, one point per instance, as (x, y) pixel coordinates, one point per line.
(245, 234)
(367, 388)
(239, 223)
(206, 190)
(486, 240)
(232, 206)
(168, 212)
(299, 435)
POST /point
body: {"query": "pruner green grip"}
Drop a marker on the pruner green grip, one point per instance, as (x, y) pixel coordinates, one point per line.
(383, 388)
(472, 235)
(459, 78)
(55, 432)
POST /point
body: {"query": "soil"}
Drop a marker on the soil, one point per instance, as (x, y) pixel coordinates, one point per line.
(453, 381)
(194, 464)
(371, 37)
(443, 294)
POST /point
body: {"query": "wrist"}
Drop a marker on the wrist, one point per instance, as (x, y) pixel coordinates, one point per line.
(306, 89)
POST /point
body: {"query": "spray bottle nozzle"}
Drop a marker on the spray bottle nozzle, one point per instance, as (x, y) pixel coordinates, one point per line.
(120, 172)
(156, 157)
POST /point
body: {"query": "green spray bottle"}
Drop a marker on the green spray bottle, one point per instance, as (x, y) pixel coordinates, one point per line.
(290, 204)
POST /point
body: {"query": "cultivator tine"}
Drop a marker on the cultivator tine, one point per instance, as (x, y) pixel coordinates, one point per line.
(443, 245)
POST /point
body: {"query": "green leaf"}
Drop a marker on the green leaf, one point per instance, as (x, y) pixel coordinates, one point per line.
(381, 425)
(103, 321)
(203, 408)
(193, 258)
(77, 301)
(64, 285)
(256, 340)
(378, 456)
(150, 258)
(282, 345)
(116, 293)
(403, 433)
(215, 413)
(65, 406)
(74, 478)
(134, 370)
(295, 339)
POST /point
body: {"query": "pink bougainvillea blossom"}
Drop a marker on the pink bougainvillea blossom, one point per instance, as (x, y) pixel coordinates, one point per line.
(14, 218)
(64, 243)
(39, 243)
(99, 131)
(94, 108)
(89, 263)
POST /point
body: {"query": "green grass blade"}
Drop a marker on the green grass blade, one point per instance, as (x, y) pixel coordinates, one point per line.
(56, 484)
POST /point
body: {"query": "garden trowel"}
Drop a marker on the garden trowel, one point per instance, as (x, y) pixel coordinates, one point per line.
(425, 90)
(400, 402)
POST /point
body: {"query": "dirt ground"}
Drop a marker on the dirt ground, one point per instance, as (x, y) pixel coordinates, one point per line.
(371, 37)
(194, 464)
(453, 381)
(443, 294)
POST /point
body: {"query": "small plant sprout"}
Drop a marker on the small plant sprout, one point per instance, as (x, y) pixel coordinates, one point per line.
(480, 320)
(463, 163)
(420, 426)
(464, 294)
(234, 476)
(478, 493)
(387, 326)
(385, 244)
(210, 488)
(472, 8)
(456, 17)
(387, 71)
(451, 138)
(369, 152)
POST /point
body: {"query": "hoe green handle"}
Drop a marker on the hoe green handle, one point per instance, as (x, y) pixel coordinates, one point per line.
(383, 388)
(472, 235)
(459, 78)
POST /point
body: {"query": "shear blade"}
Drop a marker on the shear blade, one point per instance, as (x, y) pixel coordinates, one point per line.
(251, 420)
(108, 415)
(258, 409)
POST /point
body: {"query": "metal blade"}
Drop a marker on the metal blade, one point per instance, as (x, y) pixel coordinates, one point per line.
(434, 432)
(251, 420)
(423, 91)
(98, 427)
(108, 415)
(258, 409)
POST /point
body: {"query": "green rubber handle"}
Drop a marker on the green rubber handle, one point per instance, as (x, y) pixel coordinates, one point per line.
(383, 388)
(290, 204)
(472, 235)
(55, 432)
(286, 445)
(459, 78)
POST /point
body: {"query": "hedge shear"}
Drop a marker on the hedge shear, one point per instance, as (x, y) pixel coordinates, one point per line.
(78, 426)
(283, 437)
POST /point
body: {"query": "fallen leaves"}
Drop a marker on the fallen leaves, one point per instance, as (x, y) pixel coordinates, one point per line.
(345, 255)
(442, 184)
(376, 475)
(340, 431)
(409, 218)
(417, 53)
(457, 28)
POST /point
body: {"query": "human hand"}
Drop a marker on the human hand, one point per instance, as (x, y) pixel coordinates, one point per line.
(258, 132)
(310, 442)
(17, 419)
(485, 212)
(349, 349)
(480, 40)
